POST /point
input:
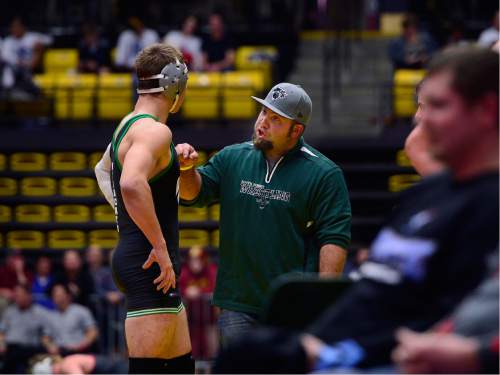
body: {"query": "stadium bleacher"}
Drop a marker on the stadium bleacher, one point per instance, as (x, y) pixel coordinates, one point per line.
(57, 191)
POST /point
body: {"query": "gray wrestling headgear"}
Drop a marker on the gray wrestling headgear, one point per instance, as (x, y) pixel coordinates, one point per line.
(172, 81)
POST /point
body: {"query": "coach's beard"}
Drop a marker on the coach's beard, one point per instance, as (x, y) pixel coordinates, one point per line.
(262, 144)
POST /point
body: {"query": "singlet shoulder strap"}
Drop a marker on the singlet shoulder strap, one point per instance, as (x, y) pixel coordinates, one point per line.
(121, 131)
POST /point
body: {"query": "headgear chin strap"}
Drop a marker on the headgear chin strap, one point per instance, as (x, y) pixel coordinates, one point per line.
(171, 81)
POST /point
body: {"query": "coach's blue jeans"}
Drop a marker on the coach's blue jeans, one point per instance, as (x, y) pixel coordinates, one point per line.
(234, 324)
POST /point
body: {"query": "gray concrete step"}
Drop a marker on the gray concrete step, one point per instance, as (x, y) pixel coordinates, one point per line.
(357, 108)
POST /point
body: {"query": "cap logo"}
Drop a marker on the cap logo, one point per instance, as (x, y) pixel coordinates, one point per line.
(279, 93)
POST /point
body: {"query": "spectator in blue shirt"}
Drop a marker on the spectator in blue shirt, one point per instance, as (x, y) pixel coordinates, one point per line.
(42, 282)
(414, 48)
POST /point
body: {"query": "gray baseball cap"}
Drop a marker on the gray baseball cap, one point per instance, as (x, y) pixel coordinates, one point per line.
(288, 100)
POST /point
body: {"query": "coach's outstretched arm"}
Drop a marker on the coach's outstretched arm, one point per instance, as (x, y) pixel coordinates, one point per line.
(190, 180)
(138, 166)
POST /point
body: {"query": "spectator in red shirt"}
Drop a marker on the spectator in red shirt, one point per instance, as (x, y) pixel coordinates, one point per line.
(13, 272)
(198, 274)
(197, 282)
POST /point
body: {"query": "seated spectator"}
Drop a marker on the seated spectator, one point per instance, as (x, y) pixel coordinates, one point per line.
(107, 293)
(73, 327)
(197, 282)
(78, 364)
(93, 51)
(12, 273)
(23, 331)
(21, 54)
(42, 282)
(131, 41)
(467, 342)
(445, 226)
(105, 287)
(218, 47)
(414, 48)
(197, 275)
(490, 36)
(76, 277)
(187, 42)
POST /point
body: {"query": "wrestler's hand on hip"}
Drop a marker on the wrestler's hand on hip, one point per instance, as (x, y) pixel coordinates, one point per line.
(187, 155)
(166, 280)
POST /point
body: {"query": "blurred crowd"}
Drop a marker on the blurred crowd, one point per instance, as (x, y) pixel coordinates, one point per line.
(208, 47)
(21, 51)
(415, 47)
(63, 306)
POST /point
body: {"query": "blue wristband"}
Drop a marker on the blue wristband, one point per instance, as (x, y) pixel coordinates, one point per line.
(328, 357)
(344, 354)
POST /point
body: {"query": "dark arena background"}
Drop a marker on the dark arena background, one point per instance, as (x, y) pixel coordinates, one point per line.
(65, 88)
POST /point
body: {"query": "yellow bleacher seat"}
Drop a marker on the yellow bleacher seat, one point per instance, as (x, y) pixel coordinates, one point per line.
(214, 212)
(5, 214)
(66, 239)
(38, 186)
(114, 95)
(3, 162)
(257, 58)
(75, 96)
(32, 213)
(68, 161)
(391, 23)
(202, 96)
(46, 82)
(28, 162)
(104, 213)
(77, 186)
(94, 159)
(61, 60)
(192, 213)
(8, 186)
(105, 238)
(401, 182)
(214, 238)
(71, 213)
(193, 237)
(402, 159)
(250, 79)
(405, 83)
(25, 239)
(237, 88)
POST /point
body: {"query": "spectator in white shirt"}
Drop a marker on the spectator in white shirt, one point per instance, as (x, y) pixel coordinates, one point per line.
(490, 36)
(22, 52)
(74, 329)
(187, 42)
(131, 41)
(24, 329)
